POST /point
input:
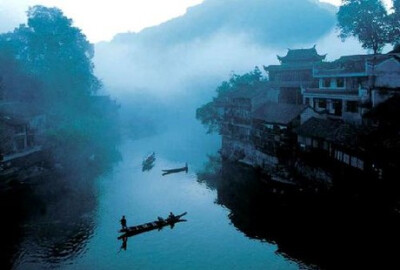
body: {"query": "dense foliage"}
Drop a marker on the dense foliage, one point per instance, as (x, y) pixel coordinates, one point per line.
(369, 22)
(54, 53)
(47, 65)
(208, 114)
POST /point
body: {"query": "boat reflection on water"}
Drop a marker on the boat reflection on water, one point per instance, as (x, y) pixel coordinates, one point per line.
(159, 224)
(147, 167)
(327, 231)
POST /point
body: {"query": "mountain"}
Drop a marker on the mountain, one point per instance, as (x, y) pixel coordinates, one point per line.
(268, 22)
(181, 62)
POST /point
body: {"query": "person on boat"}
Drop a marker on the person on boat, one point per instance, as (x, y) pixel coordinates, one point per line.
(123, 223)
(171, 216)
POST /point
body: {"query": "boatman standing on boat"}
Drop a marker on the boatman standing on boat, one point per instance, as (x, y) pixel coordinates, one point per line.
(123, 223)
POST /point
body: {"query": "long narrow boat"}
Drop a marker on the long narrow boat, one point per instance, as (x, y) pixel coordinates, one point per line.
(183, 169)
(148, 163)
(150, 159)
(158, 224)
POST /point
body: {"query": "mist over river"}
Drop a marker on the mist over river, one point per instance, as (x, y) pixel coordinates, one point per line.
(206, 240)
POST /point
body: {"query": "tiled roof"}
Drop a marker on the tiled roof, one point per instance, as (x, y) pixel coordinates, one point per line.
(350, 64)
(302, 55)
(245, 93)
(279, 113)
(318, 128)
(331, 130)
(295, 65)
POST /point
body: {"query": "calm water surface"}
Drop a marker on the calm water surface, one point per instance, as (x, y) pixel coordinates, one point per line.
(207, 241)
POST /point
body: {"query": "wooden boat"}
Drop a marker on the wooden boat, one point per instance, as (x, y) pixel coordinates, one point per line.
(148, 163)
(150, 159)
(183, 169)
(158, 224)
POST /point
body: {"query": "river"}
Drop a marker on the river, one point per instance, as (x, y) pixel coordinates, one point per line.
(233, 222)
(208, 240)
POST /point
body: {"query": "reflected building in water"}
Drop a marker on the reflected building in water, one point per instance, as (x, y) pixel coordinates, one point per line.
(330, 231)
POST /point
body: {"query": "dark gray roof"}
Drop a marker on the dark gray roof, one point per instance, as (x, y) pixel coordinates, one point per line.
(246, 93)
(350, 64)
(301, 55)
(279, 113)
(293, 66)
(335, 131)
(318, 128)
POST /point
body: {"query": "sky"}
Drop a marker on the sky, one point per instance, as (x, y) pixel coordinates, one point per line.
(102, 19)
(337, 2)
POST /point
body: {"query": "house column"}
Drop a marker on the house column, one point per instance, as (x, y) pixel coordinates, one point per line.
(344, 105)
(329, 105)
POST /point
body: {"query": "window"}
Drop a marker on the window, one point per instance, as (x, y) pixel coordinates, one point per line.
(337, 107)
(20, 143)
(315, 144)
(327, 83)
(20, 129)
(339, 155)
(308, 141)
(321, 103)
(353, 161)
(359, 82)
(307, 101)
(346, 158)
(352, 106)
(340, 82)
(360, 164)
(357, 163)
(326, 146)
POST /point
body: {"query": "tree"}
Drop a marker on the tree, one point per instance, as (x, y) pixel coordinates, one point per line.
(396, 6)
(367, 20)
(58, 54)
(208, 114)
(395, 24)
(15, 84)
(48, 64)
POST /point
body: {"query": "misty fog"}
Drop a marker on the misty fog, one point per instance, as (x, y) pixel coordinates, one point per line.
(165, 72)
(100, 131)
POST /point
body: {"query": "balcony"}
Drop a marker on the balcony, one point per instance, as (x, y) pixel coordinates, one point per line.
(331, 93)
(290, 84)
